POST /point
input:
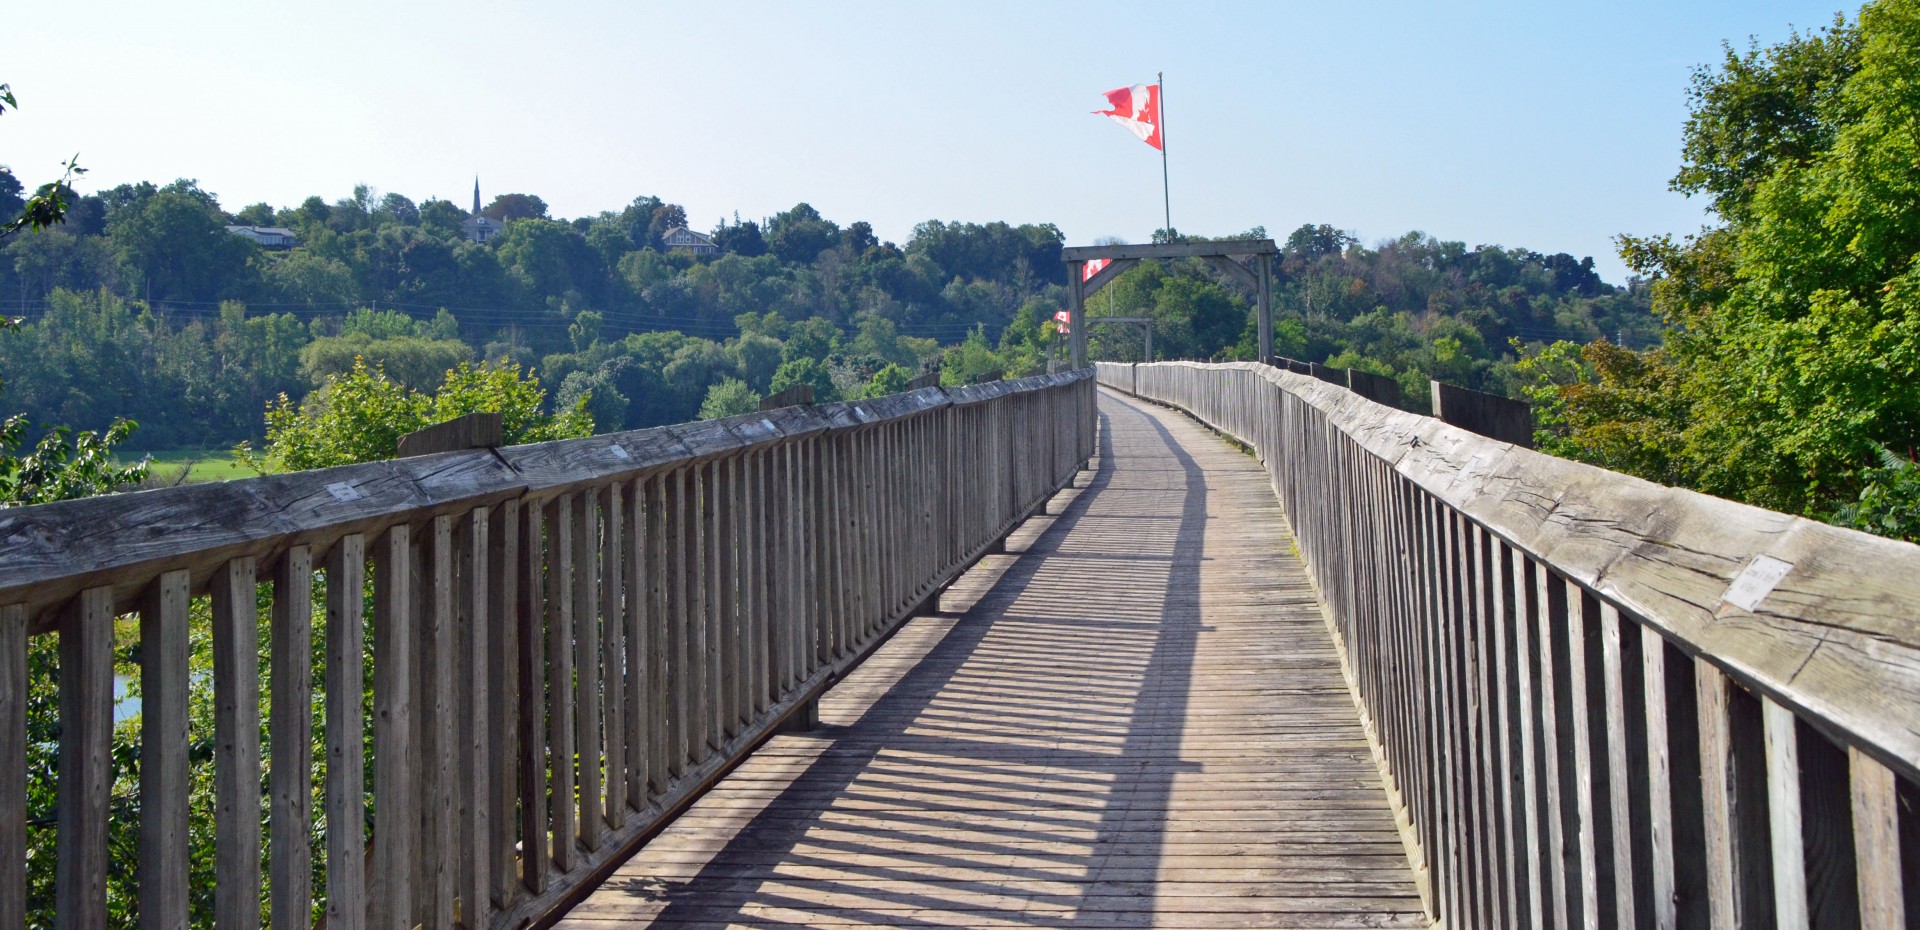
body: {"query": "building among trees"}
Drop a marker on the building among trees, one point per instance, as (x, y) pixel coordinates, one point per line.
(267, 237)
(686, 240)
(477, 227)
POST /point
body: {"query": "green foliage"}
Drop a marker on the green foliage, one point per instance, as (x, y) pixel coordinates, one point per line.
(358, 416)
(1889, 501)
(889, 380)
(810, 371)
(731, 397)
(1795, 351)
(63, 465)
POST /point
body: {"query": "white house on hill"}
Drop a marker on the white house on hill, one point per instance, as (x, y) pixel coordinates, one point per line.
(680, 237)
(267, 237)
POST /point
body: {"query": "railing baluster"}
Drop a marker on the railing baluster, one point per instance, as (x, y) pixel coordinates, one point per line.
(502, 668)
(14, 775)
(531, 715)
(613, 648)
(291, 728)
(236, 753)
(640, 722)
(474, 723)
(434, 711)
(346, 566)
(86, 762)
(1783, 810)
(395, 787)
(565, 825)
(1876, 842)
(164, 771)
(583, 582)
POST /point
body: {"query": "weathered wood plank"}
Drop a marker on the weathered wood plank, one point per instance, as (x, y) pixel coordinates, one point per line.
(86, 764)
(503, 669)
(13, 770)
(346, 567)
(531, 713)
(474, 683)
(586, 667)
(395, 783)
(1783, 806)
(1876, 845)
(163, 753)
(291, 728)
(613, 650)
(1133, 772)
(236, 752)
(435, 752)
(564, 827)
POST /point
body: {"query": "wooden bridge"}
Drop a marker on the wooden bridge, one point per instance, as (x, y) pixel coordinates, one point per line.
(1015, 654)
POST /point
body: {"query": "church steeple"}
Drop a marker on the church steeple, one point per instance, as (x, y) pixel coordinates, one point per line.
(476, 195)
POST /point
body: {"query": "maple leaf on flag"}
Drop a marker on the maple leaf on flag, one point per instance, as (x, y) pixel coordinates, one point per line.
(1138, 109)
(1094, 267)
(1063, 321)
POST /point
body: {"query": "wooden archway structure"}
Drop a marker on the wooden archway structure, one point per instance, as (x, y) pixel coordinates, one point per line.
(1250, 260)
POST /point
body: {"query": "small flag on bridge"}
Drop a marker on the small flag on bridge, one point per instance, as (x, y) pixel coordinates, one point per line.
(1093, 267)
(1062, 321)
(1138, 109)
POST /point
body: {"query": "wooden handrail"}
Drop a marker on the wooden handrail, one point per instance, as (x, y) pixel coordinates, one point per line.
(616, 620)
(1598, 701)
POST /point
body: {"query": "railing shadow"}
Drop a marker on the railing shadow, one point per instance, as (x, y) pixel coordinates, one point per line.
(1020, 772)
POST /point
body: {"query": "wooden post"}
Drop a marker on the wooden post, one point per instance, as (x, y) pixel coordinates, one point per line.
(1076, 314)
(1265, 262)
(236, 752)
(164, 775)
(291, 727)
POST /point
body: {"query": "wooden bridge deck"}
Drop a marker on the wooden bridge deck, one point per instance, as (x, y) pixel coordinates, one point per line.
(1135, 719)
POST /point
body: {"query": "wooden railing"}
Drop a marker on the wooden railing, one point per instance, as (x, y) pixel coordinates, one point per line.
(569, 641)
(1599, 702)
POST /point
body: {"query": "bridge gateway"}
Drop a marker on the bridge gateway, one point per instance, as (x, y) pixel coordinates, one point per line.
(1528, 692)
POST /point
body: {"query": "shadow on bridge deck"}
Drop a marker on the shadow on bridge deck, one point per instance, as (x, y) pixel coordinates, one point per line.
(1134, 719)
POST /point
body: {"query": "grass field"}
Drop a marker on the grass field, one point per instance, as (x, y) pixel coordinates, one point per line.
(208, 465)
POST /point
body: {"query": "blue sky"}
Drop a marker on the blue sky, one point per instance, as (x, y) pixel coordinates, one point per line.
(1553, 126)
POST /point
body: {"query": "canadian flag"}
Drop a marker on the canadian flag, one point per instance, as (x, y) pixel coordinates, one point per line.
(1138, 109)
(1062, 321)
(1094, 267)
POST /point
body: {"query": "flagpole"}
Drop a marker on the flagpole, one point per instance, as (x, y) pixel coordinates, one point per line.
(1166, 197)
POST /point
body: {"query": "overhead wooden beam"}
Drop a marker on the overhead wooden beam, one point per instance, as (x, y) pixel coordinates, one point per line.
(1114, 269)
(1082, 253)
(1237, 270)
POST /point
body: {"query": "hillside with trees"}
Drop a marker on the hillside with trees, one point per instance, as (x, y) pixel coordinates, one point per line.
(1790, 373)
(142, 305)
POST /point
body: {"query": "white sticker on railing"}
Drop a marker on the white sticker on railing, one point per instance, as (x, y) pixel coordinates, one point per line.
(343, 491)
(620, 452)
(1755, 582)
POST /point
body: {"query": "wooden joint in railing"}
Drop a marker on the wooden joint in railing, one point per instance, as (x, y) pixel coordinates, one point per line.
(480, 430)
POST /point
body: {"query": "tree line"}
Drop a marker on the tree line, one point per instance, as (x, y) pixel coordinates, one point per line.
(1789, 376)
(142, 305)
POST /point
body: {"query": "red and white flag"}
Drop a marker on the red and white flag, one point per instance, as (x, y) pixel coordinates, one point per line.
(1062, 321)
(1138, 109)
(1094, 267)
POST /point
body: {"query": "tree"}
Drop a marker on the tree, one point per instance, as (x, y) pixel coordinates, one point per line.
(48, 205)
(740, 238)
(801, 234)
(508, 207)
(666, 216)
(395, 208)
(359, 415)
(259, 214)
(731, 397)
(1798, 321)
(808, 371)
(175, 247)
